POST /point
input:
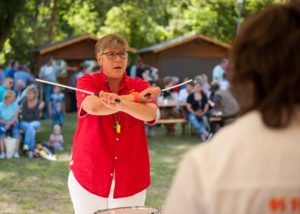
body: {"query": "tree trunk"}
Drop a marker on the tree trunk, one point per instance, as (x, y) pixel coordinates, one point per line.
(52, 22)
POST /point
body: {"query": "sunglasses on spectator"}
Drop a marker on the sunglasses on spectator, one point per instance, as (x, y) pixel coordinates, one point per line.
(111, 55)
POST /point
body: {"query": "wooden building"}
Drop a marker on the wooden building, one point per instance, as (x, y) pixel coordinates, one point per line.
(186, 56)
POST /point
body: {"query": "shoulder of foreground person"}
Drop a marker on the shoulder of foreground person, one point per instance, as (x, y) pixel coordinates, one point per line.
(232, 140)
(240, 140)
(242, 127)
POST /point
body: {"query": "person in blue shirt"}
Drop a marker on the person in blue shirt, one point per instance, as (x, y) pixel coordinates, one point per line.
(22, 74)
(7, 84)
(1, 75)
(219, 70)
(9, 111)
(57, 107)
(10, 72)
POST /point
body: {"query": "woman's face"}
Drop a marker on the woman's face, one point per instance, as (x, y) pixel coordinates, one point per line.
(9, 99)
(56, 89)
(114, 62)
(197, 88)
(30, 95)
(189, 87)
(56, 130)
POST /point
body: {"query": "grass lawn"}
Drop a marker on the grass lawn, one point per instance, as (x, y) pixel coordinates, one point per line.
(40, 186)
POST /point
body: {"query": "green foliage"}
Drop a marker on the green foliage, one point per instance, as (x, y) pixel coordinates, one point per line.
(192, 18)
(80, 17)
(8, 10)
(134, 24)
(25, 25)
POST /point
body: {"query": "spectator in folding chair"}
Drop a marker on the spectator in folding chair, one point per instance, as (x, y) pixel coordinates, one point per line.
(224, 107)
(31, 110)
(197, 109)
(9, 111)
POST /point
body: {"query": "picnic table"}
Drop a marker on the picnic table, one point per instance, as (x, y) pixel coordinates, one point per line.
(172, 113)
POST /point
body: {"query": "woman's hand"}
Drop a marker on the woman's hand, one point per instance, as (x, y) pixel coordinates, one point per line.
(149, 94)
(7, 125)
(199, 113)
(41, 106)
(110, 99)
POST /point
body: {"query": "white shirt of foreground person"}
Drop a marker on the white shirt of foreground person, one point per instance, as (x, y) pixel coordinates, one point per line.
(246, 168)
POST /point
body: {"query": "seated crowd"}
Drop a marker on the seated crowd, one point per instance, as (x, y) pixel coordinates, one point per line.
(21, 109)
(206, 106)
(21, 103)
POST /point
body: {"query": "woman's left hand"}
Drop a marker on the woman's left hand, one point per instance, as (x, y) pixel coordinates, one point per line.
(109, 99)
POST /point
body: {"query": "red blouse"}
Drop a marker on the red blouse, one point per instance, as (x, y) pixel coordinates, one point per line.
(99, 152)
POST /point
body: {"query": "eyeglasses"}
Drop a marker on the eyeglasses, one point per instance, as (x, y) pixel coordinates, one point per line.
(111, 55)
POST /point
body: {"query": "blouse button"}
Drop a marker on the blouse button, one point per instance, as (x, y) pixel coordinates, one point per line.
(111, 174)
(117, 139)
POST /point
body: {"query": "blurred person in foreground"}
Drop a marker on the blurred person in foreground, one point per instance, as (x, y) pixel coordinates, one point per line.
(252, 166)
(110, 162)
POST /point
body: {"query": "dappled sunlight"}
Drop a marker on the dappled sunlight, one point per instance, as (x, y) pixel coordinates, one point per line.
(8, 204)
(169, 160)
(6, 175)
(40, 186)
(181, 147)
(30, 180)
(63, 157)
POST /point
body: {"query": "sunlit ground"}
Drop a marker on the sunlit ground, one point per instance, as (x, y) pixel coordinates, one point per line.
(40, 186)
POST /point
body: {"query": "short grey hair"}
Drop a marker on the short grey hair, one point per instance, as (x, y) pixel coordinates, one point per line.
(110, 40)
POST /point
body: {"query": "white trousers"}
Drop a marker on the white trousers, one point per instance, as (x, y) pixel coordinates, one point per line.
(85, 202)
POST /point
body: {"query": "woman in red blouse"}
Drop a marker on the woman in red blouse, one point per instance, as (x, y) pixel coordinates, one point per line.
(110, 161)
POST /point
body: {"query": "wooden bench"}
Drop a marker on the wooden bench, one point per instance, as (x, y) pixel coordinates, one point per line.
(225, 119)
(215, 119)
(174, 121)
(171, 121)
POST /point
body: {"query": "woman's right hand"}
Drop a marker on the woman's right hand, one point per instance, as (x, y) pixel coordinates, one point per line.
(41, 106)
(149, 94)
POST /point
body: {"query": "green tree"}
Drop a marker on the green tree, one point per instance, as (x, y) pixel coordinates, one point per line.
(135, 25)
(25, 25)
(9, 9)
(41, 22)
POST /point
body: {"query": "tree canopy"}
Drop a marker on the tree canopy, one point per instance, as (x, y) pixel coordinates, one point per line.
(26, 25)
